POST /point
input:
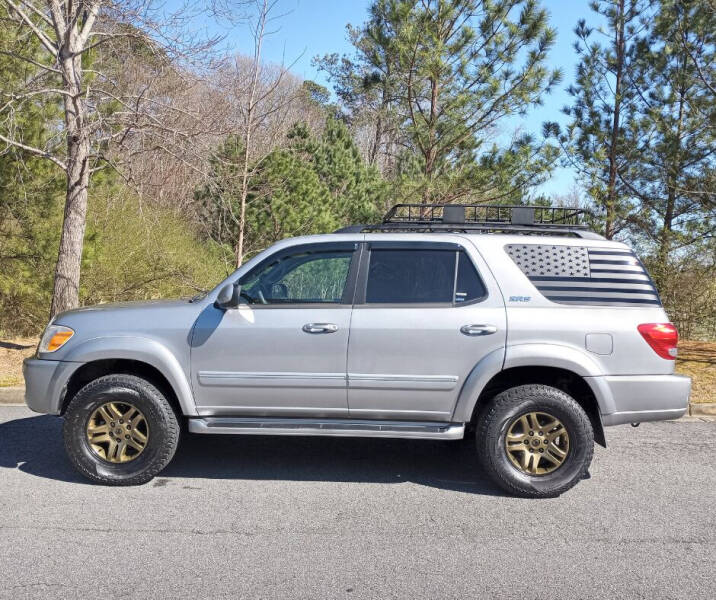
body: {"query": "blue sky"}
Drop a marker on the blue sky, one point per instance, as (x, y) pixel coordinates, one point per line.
(316, 27)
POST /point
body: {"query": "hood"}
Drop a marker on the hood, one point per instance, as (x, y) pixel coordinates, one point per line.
(132, 305)
(146, 319)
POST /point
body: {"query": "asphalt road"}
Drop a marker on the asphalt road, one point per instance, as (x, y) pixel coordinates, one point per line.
(326, 518)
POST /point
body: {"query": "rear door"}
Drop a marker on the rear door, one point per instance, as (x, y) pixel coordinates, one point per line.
(425, 314)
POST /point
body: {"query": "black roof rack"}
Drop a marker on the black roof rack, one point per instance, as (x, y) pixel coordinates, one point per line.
(481, 218)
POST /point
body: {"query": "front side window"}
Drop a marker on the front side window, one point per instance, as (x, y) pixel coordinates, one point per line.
(302, 278)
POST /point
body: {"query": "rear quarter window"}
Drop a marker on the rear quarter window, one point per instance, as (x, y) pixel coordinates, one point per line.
(585, 276)
(468, 285)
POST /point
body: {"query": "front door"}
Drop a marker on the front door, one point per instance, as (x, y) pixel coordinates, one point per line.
(423, 318)
(283, 351)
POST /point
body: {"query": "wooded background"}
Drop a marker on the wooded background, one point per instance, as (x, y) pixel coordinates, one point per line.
(139, 160)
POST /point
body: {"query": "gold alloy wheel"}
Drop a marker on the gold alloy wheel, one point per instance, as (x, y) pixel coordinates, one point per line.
(117, 432)
(537, 443)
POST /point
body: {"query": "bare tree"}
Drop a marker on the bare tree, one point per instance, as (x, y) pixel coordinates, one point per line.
(260, 98)
(249, 115)
(279, 101)
(85, 49)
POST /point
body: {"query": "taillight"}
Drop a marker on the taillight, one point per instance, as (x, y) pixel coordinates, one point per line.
(662, 337)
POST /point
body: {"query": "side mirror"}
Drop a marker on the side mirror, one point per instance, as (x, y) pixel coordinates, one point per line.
(229, 296)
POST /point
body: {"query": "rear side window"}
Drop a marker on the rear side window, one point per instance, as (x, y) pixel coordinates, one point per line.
(410, 276)
(422, 277)
(586, 276)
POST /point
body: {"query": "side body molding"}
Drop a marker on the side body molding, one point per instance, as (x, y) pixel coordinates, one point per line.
(144, 350)
(532, 355)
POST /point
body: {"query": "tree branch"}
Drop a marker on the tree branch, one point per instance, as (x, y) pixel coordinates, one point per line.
(35, 151)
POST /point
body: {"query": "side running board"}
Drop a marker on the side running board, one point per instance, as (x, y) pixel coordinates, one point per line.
(329, 427)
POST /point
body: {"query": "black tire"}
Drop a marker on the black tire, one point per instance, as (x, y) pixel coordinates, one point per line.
(492, 427)
(162, 422)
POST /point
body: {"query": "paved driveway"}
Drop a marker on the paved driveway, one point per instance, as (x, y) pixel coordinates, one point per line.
(326, 518)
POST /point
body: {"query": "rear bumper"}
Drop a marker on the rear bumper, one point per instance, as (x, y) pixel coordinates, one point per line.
(637, 398)
(46, 383)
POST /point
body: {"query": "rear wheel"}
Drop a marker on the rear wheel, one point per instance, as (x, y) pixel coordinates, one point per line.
(535, 441)
(120, 430)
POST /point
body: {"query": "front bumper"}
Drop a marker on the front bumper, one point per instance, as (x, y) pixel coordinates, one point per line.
(46, 383)
(637, 398)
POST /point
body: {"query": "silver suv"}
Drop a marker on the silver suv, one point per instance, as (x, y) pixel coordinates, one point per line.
(516, 323)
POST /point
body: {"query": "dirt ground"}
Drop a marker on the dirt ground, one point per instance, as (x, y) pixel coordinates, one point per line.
(12, 353)
(696, 359)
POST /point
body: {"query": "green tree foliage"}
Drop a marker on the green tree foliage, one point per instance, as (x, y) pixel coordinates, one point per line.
(132, 251)
(30, 200)
(30, 218)
(357, 191)
(313, 185)
(366, 84)
(135, 251)
(316, 93)
(450, 71)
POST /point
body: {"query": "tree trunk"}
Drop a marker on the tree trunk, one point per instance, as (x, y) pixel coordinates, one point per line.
(375, 145)
(69, 259)
(610, 217)
(244, 196)
(662, 269)
(674, 169)
(430, 155)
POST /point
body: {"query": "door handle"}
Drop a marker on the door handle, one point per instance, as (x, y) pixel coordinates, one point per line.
(475, 330)
(320, 328)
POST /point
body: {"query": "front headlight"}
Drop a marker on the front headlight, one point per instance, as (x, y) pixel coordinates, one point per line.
(54, 338)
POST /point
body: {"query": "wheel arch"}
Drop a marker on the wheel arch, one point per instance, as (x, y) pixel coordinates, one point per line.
(142, 357)
(559, 368)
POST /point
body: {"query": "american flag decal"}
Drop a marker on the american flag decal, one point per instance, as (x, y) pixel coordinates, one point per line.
(577, 275)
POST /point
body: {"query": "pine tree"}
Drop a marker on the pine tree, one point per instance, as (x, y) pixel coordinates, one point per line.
(356, 188)
(366, 83)
(643, 134)
(450, 71)
(604, 96)
(674, 178)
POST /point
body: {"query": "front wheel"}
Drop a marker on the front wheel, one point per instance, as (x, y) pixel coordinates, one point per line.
(120, 430)
(535, 441)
